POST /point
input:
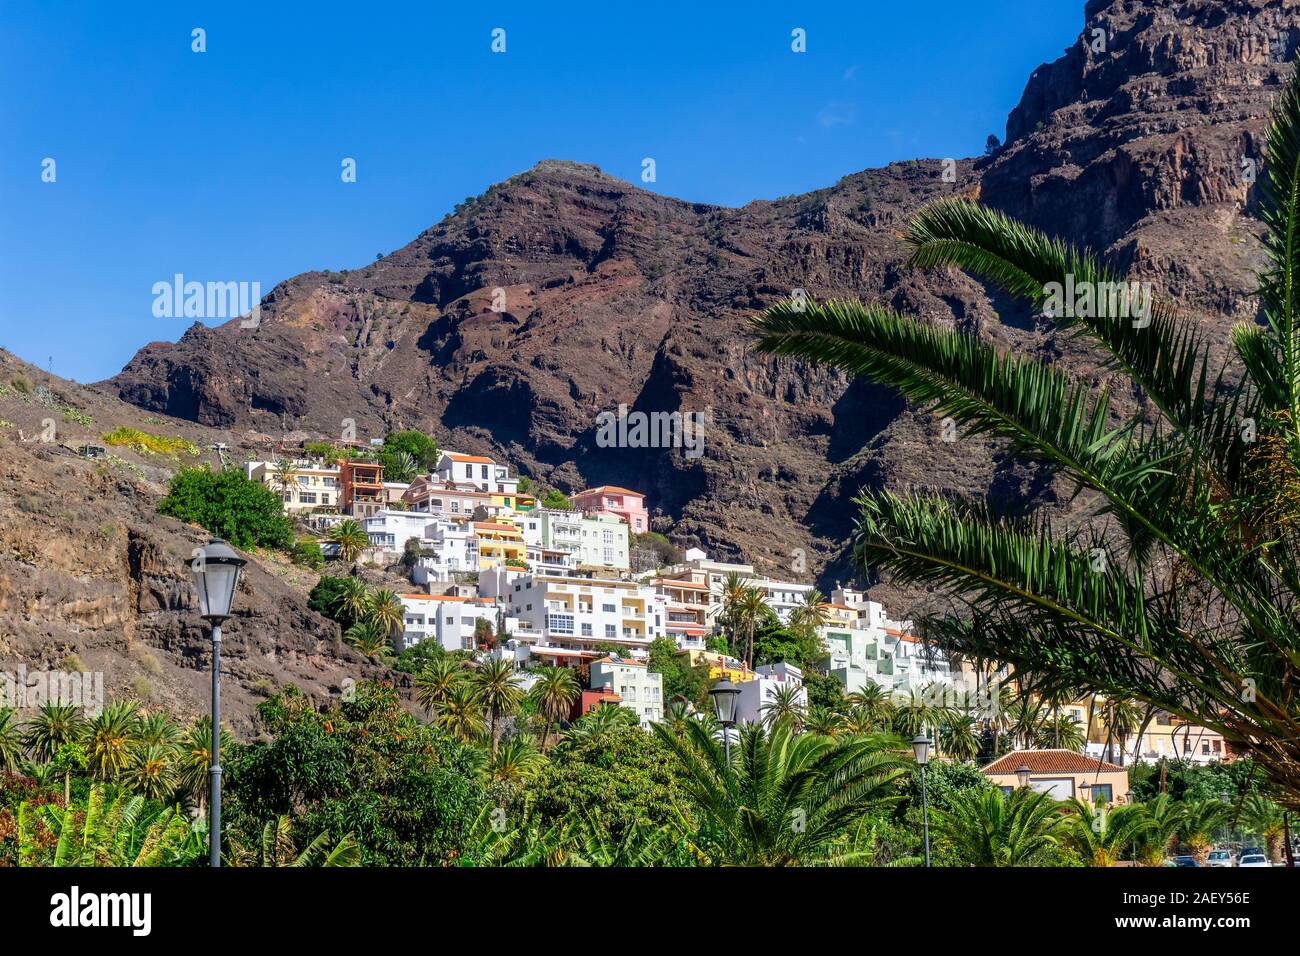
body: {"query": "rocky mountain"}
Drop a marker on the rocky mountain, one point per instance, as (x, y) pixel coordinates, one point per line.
(93, 579)
(561, 293)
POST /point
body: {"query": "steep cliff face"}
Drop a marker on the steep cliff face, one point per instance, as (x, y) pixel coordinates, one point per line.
(562, 292)
(91, 578)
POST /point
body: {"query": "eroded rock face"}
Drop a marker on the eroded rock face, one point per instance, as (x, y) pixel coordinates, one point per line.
(92, 578)
(564, 292)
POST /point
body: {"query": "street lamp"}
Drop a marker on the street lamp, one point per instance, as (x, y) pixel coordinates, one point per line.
(1022, 775)
(216, 571)
(921, 747)
(725, 696)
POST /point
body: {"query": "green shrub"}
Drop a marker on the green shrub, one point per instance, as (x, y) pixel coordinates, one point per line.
(307, 553)
(246, 513)
(143, 441)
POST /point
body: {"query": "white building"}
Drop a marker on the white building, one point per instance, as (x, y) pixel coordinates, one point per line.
(451, 550)
(479, 471)
(578, 613)
(639, 689)
(756, 695)
(451, 621)
(389, 530)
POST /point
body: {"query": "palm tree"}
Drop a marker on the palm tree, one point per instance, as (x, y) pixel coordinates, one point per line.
(859, 721)
(513, 762)
(1201, 820)
(604, 719)
(434, 684)
(158, 729)
(498, 691)
(1188, 602)
(400, 466)
(285, 475)
(733, 591)
(153, 771)
(111, 739)
(1061, 732)
(960, 741)
(824, 722)
(1100, 834)
(787, 704)
(1264, 817)
(811, 614)
(874, 703)
(194, 760)
(750, 610)
(1164, 817)
(985, 827)
(1026, 718)
(350, 537)
(350, 601)
(384, 609)
(368, 638)
(920, 711)
(11, 742)
(461, 712)
(1121, 716)
(555, 692)
(784, 800)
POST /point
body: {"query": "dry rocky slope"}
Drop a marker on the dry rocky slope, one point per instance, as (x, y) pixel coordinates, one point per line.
(616, 295)
(92, 578)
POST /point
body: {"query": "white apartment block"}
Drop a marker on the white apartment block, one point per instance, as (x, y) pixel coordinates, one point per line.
(389, 530)
(756, 695)
(451, 621)
(865, 647)
(603, 543)
(451, 550)
(575, 613)
(639, 689)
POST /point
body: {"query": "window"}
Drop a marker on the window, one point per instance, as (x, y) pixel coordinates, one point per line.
(586, 630)
(559, 623)
(307, 497)
(608, 608)
(1102, 791)
(324, 499)
(609, 555)
(469, 471)
(483, 472)
(611, 630)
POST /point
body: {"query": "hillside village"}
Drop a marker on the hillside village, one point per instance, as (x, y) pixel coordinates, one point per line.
(498, 575)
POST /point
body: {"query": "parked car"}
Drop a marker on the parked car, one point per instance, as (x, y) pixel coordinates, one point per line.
(1220, 858)
(1185, 861)
(1254, 859)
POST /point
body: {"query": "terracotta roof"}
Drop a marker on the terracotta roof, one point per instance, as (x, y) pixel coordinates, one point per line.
(684, 585)
(475, 458)
(493, 526)
(1049, 761)
(444, 597)
(612, 489)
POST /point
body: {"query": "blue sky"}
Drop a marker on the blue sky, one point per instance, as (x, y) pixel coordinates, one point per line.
(225, 165)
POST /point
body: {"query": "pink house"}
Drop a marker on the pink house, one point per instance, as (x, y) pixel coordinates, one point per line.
(618, 502)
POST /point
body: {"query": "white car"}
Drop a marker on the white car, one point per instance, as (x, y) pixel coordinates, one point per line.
(1220, 858)
(1254, 859)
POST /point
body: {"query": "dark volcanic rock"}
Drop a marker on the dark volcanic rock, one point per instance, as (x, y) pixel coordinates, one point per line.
(564, 292)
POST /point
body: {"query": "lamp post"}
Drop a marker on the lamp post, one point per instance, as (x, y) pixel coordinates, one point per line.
(921, 747)
(1022, 775)
(216, 571)
(725, 694)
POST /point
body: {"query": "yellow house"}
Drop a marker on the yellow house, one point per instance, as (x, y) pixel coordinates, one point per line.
(720, 665)
(498, 542)
(1062, 773)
